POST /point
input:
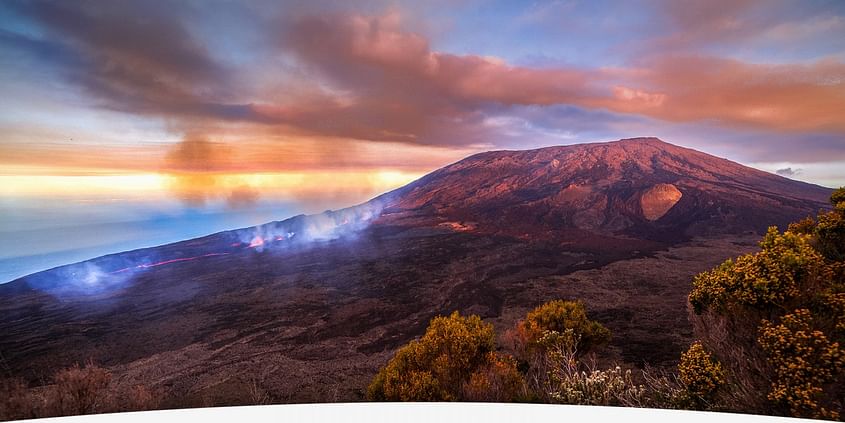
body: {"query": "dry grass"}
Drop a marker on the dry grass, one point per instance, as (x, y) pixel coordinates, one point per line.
(75, 390)
(79, 390)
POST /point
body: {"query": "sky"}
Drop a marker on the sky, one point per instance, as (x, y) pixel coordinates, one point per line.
(187, 117)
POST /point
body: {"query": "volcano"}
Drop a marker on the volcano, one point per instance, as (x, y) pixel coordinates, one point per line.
(309, 308)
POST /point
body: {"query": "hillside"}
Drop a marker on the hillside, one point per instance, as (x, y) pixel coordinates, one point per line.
(310, 307)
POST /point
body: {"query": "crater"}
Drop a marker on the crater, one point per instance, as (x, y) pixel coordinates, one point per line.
(658, 200)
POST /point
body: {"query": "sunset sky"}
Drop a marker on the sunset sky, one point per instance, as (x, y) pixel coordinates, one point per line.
(132, 109)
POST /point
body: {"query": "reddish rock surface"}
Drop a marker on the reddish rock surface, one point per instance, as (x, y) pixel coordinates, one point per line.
(658, 200)
(603, 188)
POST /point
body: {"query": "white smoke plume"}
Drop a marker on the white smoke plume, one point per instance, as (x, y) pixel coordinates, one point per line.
(84, 278)
(325, 226)
(109, 273)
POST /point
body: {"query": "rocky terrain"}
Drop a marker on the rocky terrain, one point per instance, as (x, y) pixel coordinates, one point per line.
(307, 309)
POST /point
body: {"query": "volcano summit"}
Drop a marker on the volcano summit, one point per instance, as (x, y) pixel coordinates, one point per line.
(310, 307)
(642, 188)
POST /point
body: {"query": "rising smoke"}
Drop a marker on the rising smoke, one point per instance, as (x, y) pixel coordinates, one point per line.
(109, 273)
(302, 230)
(86, 278)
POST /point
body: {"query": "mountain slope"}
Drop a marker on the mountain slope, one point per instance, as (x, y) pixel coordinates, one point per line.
(642, 187)
(311, 306)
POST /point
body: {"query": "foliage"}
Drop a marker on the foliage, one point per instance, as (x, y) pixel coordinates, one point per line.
(804, 360)
(496, 381)
(830, 233)
(552, 335)
(768, 278)
(837, 198)
(75, 390)
(571, 381)
(16, 402)
(701, 376)
(455, 360)
(553, 341)
(775, 320)
(138, 398)
(79, 390)
(562, 321)
(596, 387)
(455, 356)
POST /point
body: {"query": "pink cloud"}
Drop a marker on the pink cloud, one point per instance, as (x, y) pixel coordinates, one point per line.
(395, 76)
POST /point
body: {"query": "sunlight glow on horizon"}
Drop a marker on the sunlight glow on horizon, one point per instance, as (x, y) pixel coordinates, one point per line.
(276, 184)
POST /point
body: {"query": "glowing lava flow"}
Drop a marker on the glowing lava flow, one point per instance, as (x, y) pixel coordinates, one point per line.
(144, 266)
(256, 242)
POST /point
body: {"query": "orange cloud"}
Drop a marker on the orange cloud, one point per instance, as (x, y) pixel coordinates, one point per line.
(395, 88)
(369, 78)
(783, 97)
(407, 90)
(363, 91)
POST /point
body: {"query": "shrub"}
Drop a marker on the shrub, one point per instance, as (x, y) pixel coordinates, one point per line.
(830, 233)
(75, 390)
(595, 387)
(775, 320)
(768, 278)
(16, 402)
(701, 376)
(549, 324)
(570, 381)
(555, 334)
(804, 361)
(257, 394)
(138, 398)
(496, 381)
(455, 356)
(79, 390)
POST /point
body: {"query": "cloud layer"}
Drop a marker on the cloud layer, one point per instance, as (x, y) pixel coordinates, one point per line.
(271, 86)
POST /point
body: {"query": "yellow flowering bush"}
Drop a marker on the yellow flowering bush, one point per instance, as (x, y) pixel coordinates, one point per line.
(769, 277)
(830, 232)
(442, 362)
(545, 325)
(775, 320)
(700, 374)
(804, 360)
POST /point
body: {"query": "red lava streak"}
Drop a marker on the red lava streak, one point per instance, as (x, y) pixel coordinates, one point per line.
(256, 242)
(144, 266)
